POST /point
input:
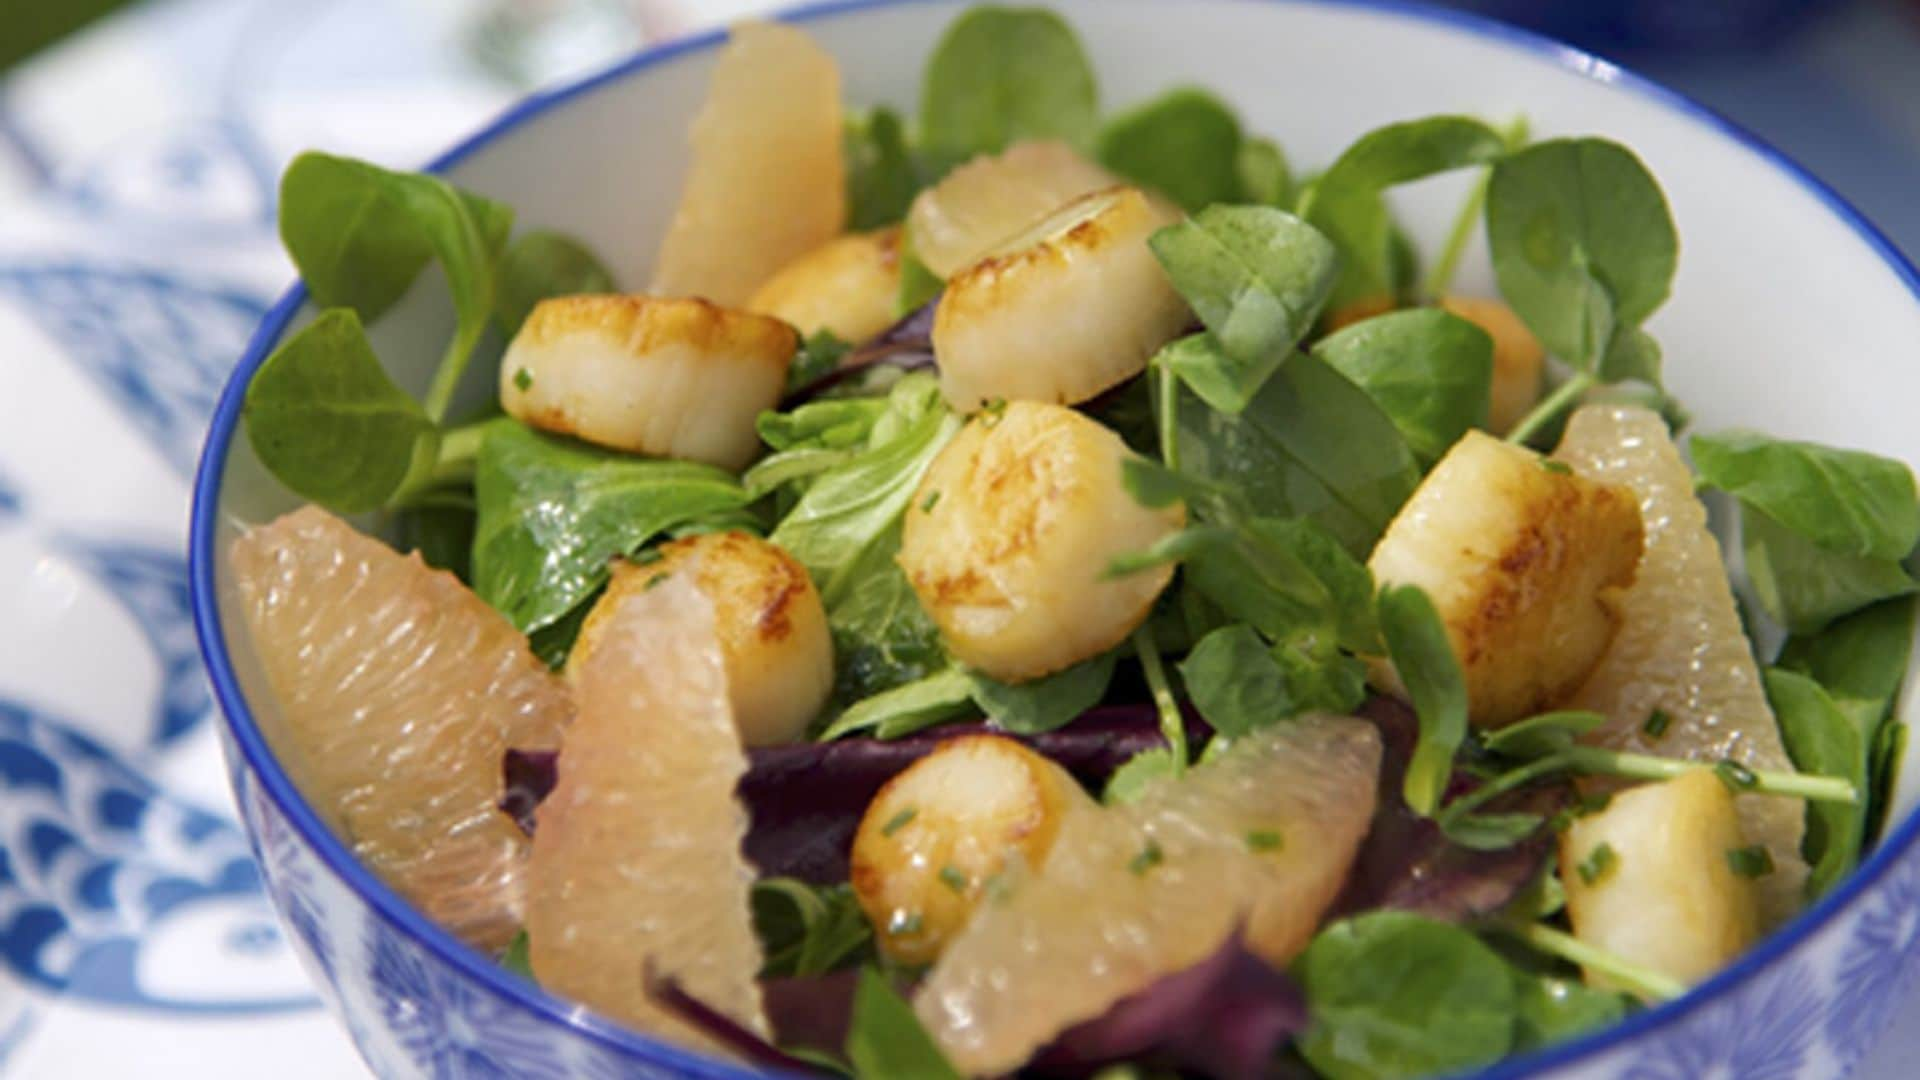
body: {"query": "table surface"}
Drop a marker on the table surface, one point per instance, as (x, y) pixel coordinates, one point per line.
(137, 167)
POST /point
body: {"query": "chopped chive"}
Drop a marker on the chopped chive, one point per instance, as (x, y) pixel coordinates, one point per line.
(1263, 840)
(1560, 467)
(990, 416)
(899, 821)
(1149, 857)
(523, 380)
(1750, 862)
(1657, 723)
(927, 504)
(1736, 776)
(656, 581)
(903, 923)
(953, 879)
(1598, 863)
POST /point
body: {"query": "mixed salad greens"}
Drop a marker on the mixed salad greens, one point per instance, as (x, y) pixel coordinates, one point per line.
(1079, 515)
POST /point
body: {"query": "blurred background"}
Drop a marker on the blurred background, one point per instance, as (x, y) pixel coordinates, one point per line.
(1835, 83)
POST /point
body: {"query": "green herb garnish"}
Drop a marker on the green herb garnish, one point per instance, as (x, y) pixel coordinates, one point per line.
(1598, 863)
(1750, 862)
(1657, 723)
(899, 821)
(1149, 857)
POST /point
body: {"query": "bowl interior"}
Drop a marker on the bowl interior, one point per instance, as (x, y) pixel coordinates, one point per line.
(1787, 313)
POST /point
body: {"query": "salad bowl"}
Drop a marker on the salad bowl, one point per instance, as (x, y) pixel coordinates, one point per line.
(1789, 312)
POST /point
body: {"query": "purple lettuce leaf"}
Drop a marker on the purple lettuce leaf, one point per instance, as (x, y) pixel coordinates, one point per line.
(527, 777)
(723, 1029)
(1406, 863)
(1224, 1017)
(907, 344)
(806, 799)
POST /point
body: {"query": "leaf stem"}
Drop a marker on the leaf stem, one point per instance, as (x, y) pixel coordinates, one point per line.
(1500, 785)
(453, 364)
(1173, 726)
(1168, 414)
(1642, 981)
(1440, 276)
(1596, 761)
(452, 466)
(1553, 405)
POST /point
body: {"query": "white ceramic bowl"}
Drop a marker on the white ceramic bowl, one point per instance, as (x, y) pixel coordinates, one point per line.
(1789, 313)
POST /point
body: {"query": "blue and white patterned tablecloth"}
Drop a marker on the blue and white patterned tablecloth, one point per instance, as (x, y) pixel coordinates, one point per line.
(137, 169)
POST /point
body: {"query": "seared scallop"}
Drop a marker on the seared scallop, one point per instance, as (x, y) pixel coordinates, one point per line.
(1070, 307)
(1009, 537)
(671, 378)
(767, 616)
(847, 286)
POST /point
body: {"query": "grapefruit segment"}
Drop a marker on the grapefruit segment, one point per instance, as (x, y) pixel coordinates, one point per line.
(399, 690)
(1258, 840)
(1680, 648)
(636, 870)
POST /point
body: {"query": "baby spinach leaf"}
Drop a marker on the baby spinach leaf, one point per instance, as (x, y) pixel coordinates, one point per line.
(885, 1040)
(1805, 587)
(806, 930)
(1583, 244)
(1632, 356)
(1220, 379)
(1309, 444)
(1407, 151)
(326, 420)
(945, 695)
(1372, 266)
(1257, 278)
(1846, 501)
(1423, 657)
(881, 177)
(830, 424)
(1236, 683)
(820, 352)
(1265, 177)
(1000, 75)
(852, 507)
(1542, 734)
(542, 264)
(1862, 657)
(1889, 751)
(1549, 1010)
(1044, 704)
(1396, 995)
(1823, 738)
(1184, 144)
(443, 535)
(554, 642)
(552, 514)
(359, 235)
(1429, 371)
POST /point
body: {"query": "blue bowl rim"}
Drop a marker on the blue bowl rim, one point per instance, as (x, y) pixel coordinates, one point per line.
(388, 904)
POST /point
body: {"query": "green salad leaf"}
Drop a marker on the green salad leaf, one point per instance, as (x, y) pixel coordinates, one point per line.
(1845, 501)
(1236, 683)
(1045, 704)
(807, 930)
(1431, 373)
(326, 420)
(1397, 995)
(1583, 244)
(1266, 179)
(1406, 151)
(1184, 144)
(1862, 657)
(542, 264)
(885, 1040)
(1139, 772)
(1257, 278)
(518, 957)
(901, 710)
(882, 637)
(1543, 733)
(553, 513)
(1000, 75)
(1310, 444)
(360, 234)
(1823, 738)
(1805, 586)
(1423, 657)
(1549, 1009)
(881, 176)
